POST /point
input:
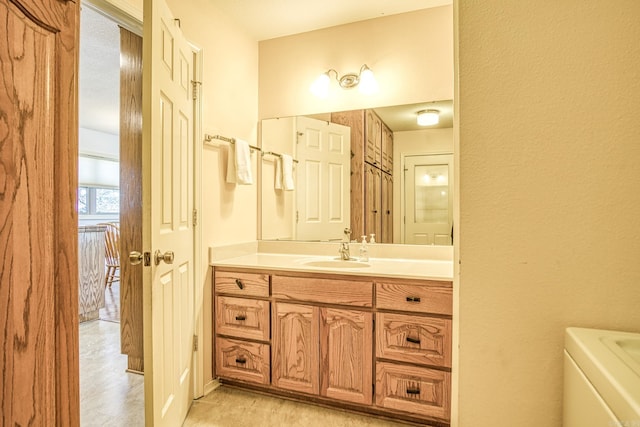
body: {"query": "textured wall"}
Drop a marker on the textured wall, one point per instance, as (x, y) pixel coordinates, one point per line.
(411, 55)
(549, 195)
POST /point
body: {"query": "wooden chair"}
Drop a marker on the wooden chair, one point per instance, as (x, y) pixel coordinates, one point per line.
(111, 253)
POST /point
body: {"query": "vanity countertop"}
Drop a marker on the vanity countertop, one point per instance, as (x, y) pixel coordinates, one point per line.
(377, 267)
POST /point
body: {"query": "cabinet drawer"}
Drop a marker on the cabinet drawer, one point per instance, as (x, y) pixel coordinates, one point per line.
(331, 291)
(241, 360)
(421, 391)
(245, 284)
(242, 318)
(413, 339)
(428, 297)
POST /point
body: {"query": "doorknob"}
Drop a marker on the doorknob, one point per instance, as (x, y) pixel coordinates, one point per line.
(166, 257)
(135, 257)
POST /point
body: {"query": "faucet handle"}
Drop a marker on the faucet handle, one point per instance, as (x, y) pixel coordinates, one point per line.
(347, 233)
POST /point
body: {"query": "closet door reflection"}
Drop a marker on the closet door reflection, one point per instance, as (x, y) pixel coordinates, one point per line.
(429, 200)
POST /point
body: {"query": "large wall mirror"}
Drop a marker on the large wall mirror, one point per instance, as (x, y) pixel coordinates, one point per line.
(375, 171)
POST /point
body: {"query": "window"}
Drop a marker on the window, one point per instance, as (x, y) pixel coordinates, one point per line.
(98, 201)
(98, 192)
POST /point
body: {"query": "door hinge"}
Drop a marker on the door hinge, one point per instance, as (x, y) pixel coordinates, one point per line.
(195, 217)
(195, 86)
(297, 216)
(374, 325)
(195, 343)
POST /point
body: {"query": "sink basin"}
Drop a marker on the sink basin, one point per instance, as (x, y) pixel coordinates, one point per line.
(336, 263)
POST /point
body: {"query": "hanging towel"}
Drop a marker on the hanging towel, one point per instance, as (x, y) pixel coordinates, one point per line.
(239, 163)
(231, 165)
(277, 185)
(287, 172)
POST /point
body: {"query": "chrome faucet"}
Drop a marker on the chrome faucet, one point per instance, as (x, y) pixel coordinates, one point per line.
(344, 251)
(344, 245)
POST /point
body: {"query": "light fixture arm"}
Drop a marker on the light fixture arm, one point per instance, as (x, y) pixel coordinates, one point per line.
(346, 81)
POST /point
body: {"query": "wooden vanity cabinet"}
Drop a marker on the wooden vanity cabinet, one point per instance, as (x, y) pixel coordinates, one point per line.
(242, 326)
(323, 350)
(313, 336)
(413, 347)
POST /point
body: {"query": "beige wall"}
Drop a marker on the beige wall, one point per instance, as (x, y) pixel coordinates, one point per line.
(411, 55)
(230, 108)
(549, 198)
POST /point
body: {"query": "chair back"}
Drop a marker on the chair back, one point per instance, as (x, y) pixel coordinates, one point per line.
(112, 244)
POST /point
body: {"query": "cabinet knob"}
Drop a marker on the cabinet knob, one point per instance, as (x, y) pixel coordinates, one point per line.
(239, 283)
(241, 317)
(413, 299)
(241, 360)
(413, 391)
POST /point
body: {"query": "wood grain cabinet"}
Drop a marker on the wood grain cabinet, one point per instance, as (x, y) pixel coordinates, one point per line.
(381, 346)
(413, 347)
(323, 350)
(371, 158)
(242, 326)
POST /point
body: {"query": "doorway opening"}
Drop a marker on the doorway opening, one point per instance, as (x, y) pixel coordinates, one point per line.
(111, 386)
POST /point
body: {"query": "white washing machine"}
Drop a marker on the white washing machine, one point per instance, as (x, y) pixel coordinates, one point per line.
(601, 378)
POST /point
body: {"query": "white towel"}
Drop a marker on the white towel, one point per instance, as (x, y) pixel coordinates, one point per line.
(239, 163)
(277, 185)
(287, 172)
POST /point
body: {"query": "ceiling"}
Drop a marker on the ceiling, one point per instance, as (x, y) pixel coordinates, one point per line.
(404, 117)
(262, 19)
(267, 19)
(99, 75)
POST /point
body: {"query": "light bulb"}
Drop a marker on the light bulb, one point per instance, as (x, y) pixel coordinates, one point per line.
(368, 84)
(320, 87)
(428, 117)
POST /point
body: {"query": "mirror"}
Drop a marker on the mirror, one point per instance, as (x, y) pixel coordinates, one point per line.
(375, 171)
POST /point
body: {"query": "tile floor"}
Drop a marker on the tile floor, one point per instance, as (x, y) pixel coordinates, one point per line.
(109, 396)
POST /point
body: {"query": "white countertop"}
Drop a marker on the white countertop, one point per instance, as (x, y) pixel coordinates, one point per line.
(407, 268)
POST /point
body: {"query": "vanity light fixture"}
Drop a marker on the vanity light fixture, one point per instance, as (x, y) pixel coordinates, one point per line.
(364, 80)
(428, 117)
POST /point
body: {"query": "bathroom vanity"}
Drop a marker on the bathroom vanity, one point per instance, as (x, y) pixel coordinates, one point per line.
(372, 337)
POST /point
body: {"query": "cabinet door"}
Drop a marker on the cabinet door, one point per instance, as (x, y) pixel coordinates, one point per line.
(387, 209)
(373, 138)
(387, 149)
(346, 348)
(373, 202)
(295, 347)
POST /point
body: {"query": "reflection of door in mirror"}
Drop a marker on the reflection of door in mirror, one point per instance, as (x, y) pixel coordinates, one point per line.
(318, 208)
(323, 172)
(428, 199)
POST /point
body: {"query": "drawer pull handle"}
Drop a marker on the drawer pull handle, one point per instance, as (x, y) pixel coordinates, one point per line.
(239, 283)
(413, 299)
(241, 317)
(241, 360)
(413, 391)
(413, 340)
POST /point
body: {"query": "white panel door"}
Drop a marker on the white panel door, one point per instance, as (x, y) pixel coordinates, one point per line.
(167, 227)
(428, 199)
(323, 179)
